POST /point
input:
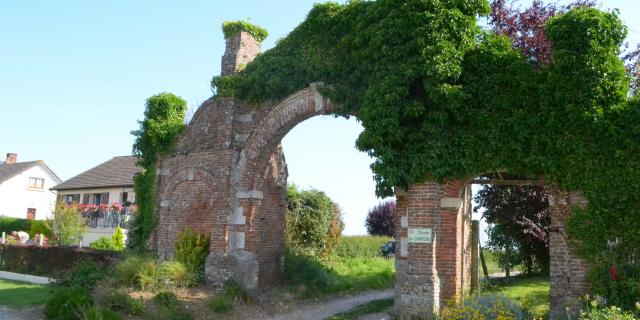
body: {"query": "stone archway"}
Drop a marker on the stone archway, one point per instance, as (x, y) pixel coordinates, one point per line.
(230, 165)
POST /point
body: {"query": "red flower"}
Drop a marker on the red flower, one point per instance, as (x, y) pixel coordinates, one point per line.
(613, 272)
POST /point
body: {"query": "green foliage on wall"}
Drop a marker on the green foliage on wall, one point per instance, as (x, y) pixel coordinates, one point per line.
(441, 99)
(192, 250)
(231, 28)
(163, 122)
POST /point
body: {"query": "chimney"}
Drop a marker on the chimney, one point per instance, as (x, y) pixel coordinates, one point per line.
(241, 48)
(11, 158)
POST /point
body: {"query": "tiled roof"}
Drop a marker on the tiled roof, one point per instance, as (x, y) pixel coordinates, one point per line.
(117, 172)
(8, 171)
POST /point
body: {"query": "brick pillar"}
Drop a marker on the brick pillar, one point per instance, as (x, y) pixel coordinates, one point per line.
(567, 271)
(417, 286)
(241, 49)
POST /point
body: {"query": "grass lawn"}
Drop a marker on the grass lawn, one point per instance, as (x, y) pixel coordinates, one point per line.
(531, 292)
(22, 294)
(367, 308)
(355, 266)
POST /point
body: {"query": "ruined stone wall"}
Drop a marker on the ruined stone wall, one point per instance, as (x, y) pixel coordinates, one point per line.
(567, 271)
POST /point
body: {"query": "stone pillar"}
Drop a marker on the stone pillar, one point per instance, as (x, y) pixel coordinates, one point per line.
(567, 271)
(417, 285)
(241, 49)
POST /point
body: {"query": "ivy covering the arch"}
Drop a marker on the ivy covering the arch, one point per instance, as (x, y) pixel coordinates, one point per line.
(439, 98)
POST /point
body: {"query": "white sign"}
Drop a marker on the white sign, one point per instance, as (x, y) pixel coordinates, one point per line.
(419, 235)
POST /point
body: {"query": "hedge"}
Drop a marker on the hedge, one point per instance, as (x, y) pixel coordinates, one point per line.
(50, 261)
(8, 224)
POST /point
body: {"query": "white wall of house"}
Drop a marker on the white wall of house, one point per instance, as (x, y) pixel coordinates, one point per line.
(115, 194)
(16, 197)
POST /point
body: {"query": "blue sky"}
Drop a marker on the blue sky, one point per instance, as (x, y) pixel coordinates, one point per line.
(74, 76)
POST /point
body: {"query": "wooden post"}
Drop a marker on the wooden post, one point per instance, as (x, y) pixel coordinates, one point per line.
(484, 264)
(3, 237)
(475, 256)
(41, 240)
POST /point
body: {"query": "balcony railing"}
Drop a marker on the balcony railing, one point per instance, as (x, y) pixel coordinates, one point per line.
(111, 218)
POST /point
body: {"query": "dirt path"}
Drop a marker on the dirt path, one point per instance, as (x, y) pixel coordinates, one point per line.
(324, 309)
(21, 314)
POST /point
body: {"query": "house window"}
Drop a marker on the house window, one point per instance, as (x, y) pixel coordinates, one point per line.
(36, 183)
(125, 197)
(31, 213)
(71, 198)
(97, 197)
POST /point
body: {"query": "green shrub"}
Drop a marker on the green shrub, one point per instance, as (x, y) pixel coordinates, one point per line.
(125, 272)
(40, 227)
(118, 239)
(174, 274)
(104, 243)
(68, 226)
(619, 284)
(235, 292)
(596, 309)
(221, 304)
(121, 301)
(360, 246)
(98, 313)
(192, 250)
(85, 275)
(308, 219)
(489, 307)
(67, 303)
(8, 224)
(169, 307)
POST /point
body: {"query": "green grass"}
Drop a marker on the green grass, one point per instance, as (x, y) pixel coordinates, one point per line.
(531, 292)
(356, 266)
(491, 259)
(367, 308)
(21, 294)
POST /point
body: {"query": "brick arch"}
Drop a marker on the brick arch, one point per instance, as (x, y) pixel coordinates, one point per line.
(186, 200)
(265, 139)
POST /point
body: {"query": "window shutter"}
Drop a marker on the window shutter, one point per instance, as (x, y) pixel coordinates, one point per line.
(104, 198)
(85, 198)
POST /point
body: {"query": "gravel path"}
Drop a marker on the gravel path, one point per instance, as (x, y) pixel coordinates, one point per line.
(21, 314)
(324, 309)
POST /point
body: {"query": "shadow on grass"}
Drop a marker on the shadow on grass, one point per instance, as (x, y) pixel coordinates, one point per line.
(312, 277)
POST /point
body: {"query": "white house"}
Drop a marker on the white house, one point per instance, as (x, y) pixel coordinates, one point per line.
(25, 189)
(108, 183)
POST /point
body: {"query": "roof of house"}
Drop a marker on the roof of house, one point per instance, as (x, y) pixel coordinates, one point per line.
(116, 172)
(8, 171)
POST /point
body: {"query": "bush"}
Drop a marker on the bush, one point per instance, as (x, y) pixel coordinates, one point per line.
(51, 262)
(67, 303)
(221, 304)
(169, 307)
(153, 275)
(40, 227)
(121, 301)
(192, 250)
(619, 284)
(85, 275)
(235, 292)
(360, 246)
(125, 272)
(98, 313)
(8, 224)
(489, 307)
(68, 225)
(595, 309)
(381, 219)
(105, 244)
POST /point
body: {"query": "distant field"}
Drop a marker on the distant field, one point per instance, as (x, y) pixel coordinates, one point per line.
(491, 260)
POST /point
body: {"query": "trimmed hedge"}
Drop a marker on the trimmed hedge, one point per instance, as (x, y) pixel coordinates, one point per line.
(8, 224)
(50, 261)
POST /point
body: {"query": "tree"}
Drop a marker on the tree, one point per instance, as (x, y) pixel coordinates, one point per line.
(381, 219)
(68, 225)
(526, 30)
(519, 219)
(163, 122)
(313, 221)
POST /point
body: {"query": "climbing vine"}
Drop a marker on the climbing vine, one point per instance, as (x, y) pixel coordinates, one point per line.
(441, 99)
(163, 122)
(231, 28)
